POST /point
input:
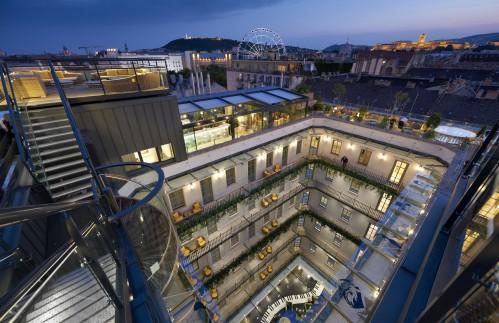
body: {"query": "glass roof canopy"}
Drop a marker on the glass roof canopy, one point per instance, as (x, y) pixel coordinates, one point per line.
(266, 96)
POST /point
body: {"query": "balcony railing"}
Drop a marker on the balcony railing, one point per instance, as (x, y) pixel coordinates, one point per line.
(31, 81)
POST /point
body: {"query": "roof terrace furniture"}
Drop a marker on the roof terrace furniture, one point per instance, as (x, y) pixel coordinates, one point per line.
(185, 251)
(64, 76)
(207, 271)
(177, 217)
(196, 208)
(201, 241)
(28, 86)
(120, 84)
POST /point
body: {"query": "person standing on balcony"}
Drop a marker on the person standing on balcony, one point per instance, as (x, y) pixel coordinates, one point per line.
(344, 161)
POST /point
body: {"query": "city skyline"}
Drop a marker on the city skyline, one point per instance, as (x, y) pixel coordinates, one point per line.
(88, 22)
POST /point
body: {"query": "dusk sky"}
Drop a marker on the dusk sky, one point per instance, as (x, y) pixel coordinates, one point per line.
(35, 26)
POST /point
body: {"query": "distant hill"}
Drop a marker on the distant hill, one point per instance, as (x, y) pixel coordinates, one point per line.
(480, 39)
(337, 47)
(200, 44)
(214, 44)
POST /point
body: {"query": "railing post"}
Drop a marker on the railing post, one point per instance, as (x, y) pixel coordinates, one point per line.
(13, 118)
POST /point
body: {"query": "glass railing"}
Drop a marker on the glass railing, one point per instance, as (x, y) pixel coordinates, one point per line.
(145, 217)
(32, 81)
(86, 279)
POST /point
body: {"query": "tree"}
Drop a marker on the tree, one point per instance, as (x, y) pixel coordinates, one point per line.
(339, 91)
(433, 120)
(186, 73)
(400, 100)
(303, 88)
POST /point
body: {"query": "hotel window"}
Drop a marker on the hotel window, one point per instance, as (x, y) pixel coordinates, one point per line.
(195, 265)
(297, 242)
(206, 190)
(230, 176)
(317, 226)
(329, 174)
(177, 199)
(346, 215)
(166, 152)
(212, 226)
(234, 240)
(323, 202)
(279, 211)
(398, 171)
(292, 201)
(305, 197)
(364, 156)
(285, 150)
(270, 159)
(309, 172)
(133, 157)
(149, 155)
(298, 147)
(337, 239)
(215, 255)
(354, 186)
(314, 142)
(371, 232)
(231, 210)
(336, 147)
(313, 247)
(251, 203)
(251, 230)
(251, 170)
(469, 238)
(301, 220)
(384, 202)
(330, 261)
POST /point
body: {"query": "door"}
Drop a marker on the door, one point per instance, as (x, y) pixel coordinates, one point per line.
(285, 155)
(314, 145)
(398, 171)
(207, 190)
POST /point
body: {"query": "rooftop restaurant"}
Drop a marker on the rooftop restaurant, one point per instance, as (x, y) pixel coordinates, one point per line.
(214, 119)
(31, 82)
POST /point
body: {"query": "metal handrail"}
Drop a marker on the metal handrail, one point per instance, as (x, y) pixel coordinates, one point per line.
(9, 216)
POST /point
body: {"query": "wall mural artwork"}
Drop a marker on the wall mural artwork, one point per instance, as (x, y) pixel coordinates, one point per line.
(351, 293)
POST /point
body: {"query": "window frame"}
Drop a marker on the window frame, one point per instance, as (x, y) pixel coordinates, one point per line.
(175, 207)
(371, 232)
(298, 146)
(346, 215)
(362, 156)
(323, 201)
(393, 178)
(252, 170)
(269, 159)
(336, 147)
(230, 176)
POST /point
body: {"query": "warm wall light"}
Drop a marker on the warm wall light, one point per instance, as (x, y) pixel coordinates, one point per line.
(192, 185)
(261, 157)
(382, 156)
(351, 146)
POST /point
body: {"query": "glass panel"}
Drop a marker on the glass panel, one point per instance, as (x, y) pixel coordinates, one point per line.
(230, 176)
(190, 140)
(398, 171)
(285, 150)
(251, 170)
(248, 124)
(133, 157)
(212, 134)
(166, 152)
(336, 147)
(364, 156)
(149, 155)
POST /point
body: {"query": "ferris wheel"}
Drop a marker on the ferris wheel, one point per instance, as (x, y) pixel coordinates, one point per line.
(260, 43)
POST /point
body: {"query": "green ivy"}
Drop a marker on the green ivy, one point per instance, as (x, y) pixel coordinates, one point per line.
(185, 228)
(273, 235)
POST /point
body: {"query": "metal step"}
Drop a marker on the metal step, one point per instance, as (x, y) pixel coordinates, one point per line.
(43, 123)
(41, 116)
(58, 158)
(78, 197)
(51, 129)
(59, 108)
(58, 150)
(70, 181)
(55, 135)
(71, 172)
(72, 190)
(56, 143)
(63, 165)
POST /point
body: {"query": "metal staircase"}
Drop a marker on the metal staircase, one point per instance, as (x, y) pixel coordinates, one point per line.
(56, 159)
